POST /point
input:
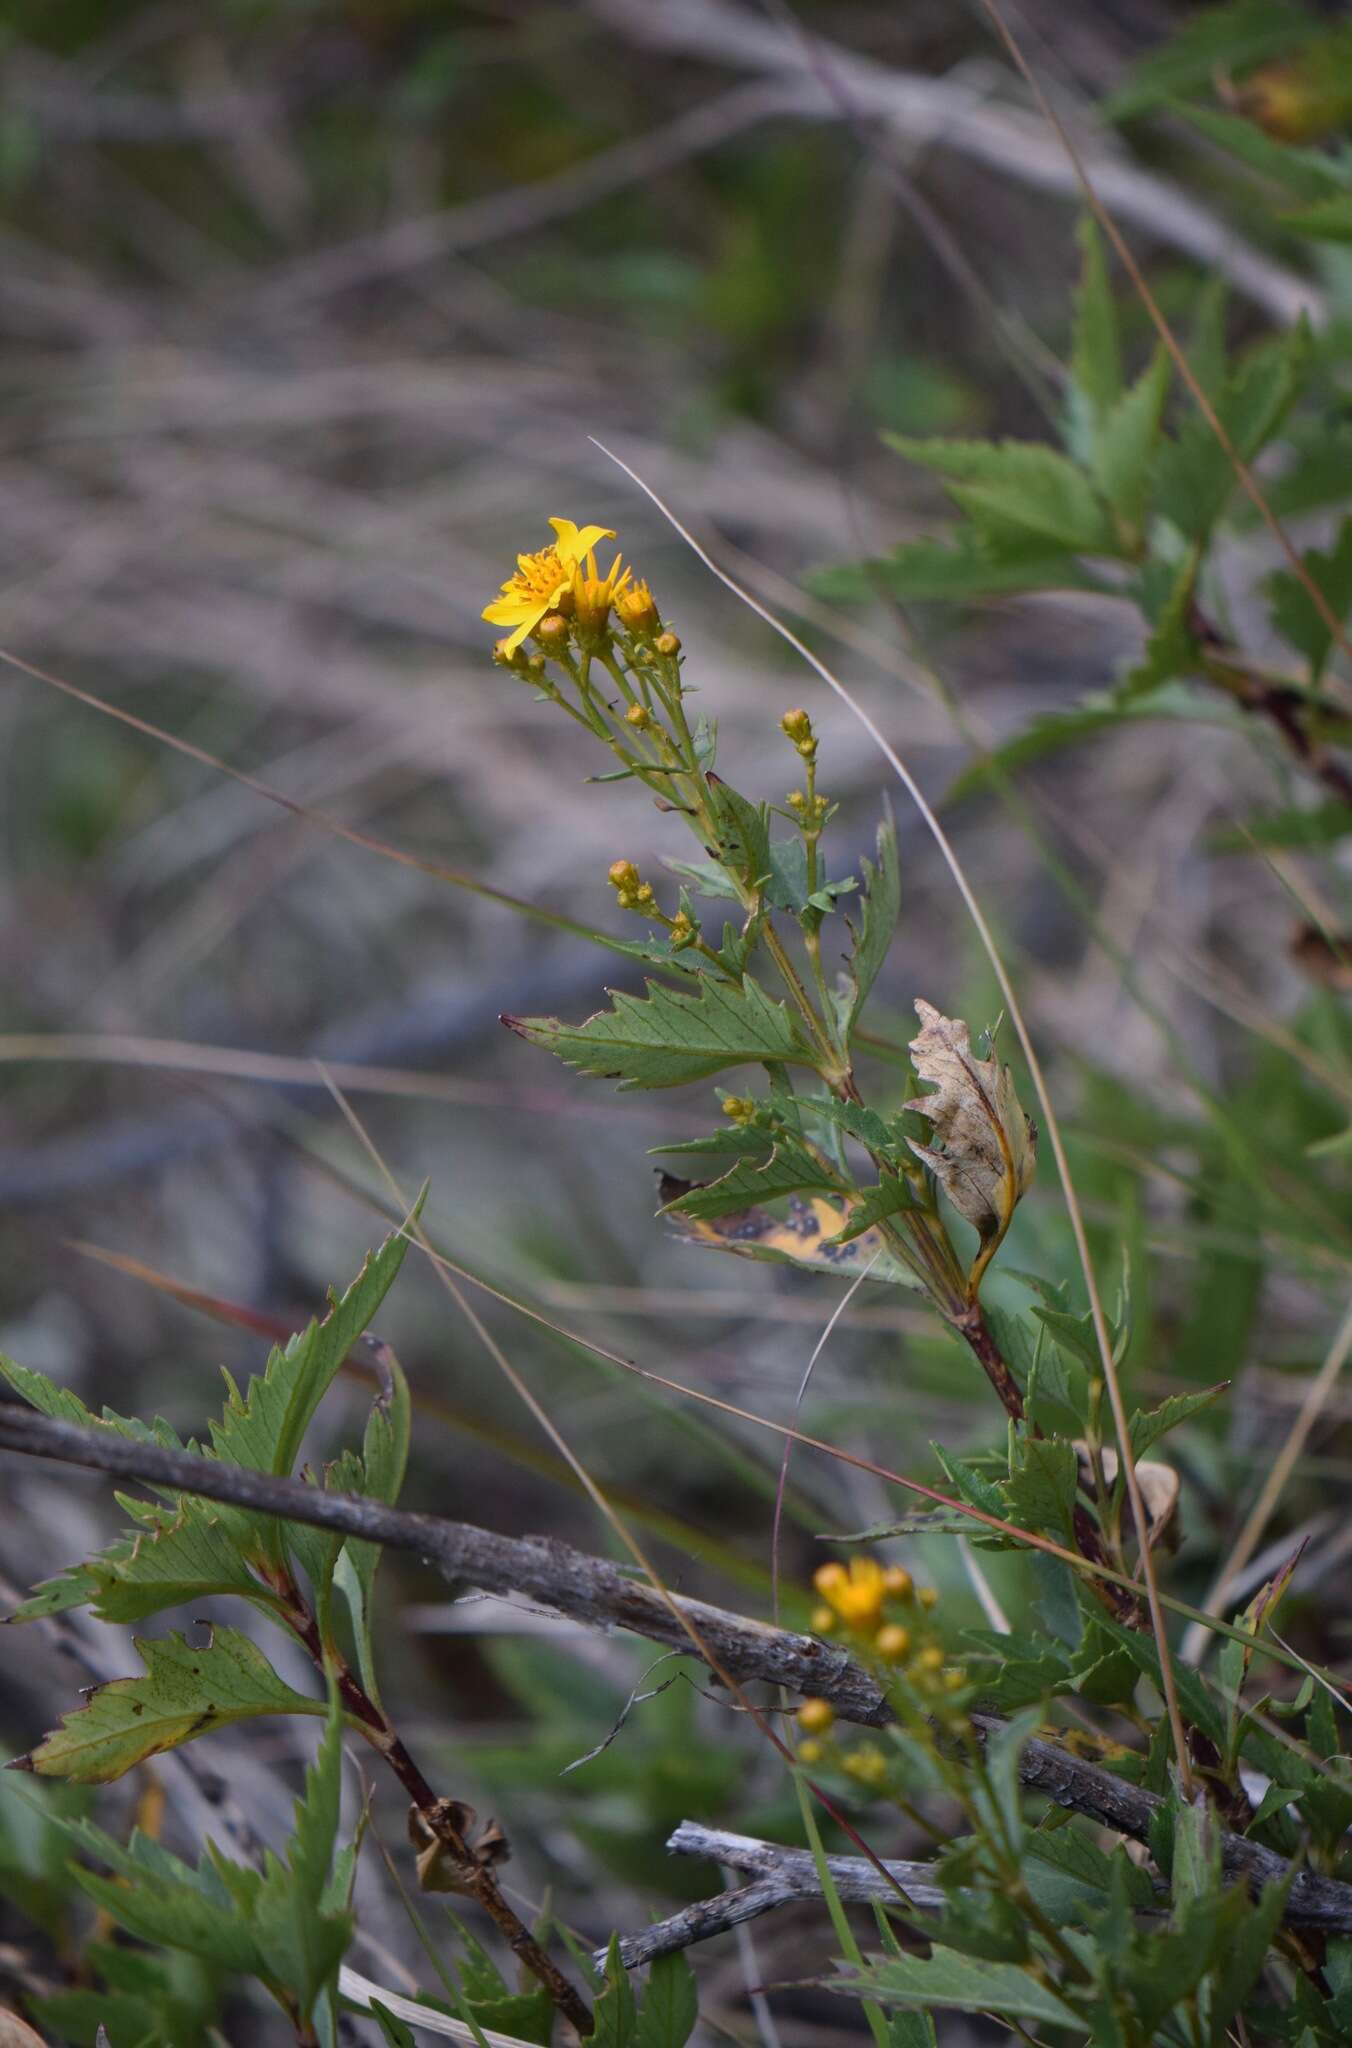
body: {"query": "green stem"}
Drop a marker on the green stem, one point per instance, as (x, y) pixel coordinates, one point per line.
(850, 1948)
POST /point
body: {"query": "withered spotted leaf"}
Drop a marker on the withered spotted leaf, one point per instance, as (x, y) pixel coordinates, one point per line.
(985, 1148)
(810, 1236)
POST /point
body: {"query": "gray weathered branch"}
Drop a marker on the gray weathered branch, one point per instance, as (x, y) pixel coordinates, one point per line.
(591, 1590)
(1013, 142)
(779, 1877)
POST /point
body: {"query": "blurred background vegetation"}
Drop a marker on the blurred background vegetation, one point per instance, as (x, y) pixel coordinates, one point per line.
(309, 311)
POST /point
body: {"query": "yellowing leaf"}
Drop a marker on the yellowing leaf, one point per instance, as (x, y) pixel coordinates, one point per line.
(985, 1149)
(184, 1691)
(808, 1236)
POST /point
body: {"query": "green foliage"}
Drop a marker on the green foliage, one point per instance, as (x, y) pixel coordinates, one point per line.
(1237, 35)
(668, 1038)
(948, 1979)
(287, 1924)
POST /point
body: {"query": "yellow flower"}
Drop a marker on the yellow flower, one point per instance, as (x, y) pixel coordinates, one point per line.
(541, 580)
(856, 1595)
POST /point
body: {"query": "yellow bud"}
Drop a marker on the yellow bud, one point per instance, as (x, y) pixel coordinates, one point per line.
(534, 664)
(552, 632)
(860, 1606)
(811, 1752)
(645, 893)
(807, 748)
(816, 1716)
(796, 799)
(622, 874)
(667, 643)
(627, 900)
(931, 1658)
(739, 1109)
(892, 1643)
(829, 1578)
(823, 1620)
(928, 1596)
(954, 1680)
(504, 655)
(867, 1765)
(897, 1582)
(639, 717)
(636, 609)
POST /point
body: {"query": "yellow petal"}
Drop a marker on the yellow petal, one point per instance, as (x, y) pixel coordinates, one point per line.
(574, 542)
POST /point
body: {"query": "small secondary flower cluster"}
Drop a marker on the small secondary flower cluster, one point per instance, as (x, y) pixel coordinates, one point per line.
(862, 1600)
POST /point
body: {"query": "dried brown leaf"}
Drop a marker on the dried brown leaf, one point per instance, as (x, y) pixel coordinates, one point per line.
(985, 1148)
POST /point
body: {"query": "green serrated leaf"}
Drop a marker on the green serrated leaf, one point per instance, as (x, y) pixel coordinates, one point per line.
(945, 1978)
(1039, 1493)
(742, 830)
(668, 1037)
(264, 1430)
(706, 875)
(1248, 1951)
(790, 1168)
(1194, 475)
(1102, 1672)
(878, 916)
(302, 1930)
(911, 2030)
(1019, 487)
(1073, 1334)
(1095, 356)
(860, 1123)
(972, 1487)
(670, 2005)
(890, 1197)
(384, 1461)
(1294, 613)
(317, 1551)
(615, 2014)
(1227, 38)
(1124, 445)
(180, 1553)
(971, 567)
(392, 2029)
(185, 1691)
(1149, 1426)
(167, 1903)
(1170, 650)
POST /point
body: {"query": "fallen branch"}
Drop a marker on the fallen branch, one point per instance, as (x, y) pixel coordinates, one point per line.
(597, 1593)
(781, 1876)
(947, 114)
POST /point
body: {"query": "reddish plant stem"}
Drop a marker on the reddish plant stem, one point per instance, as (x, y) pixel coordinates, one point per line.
(439, 1815)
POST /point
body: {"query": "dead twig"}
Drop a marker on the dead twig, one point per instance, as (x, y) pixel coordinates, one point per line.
(592, 1591)
(781, 1876)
